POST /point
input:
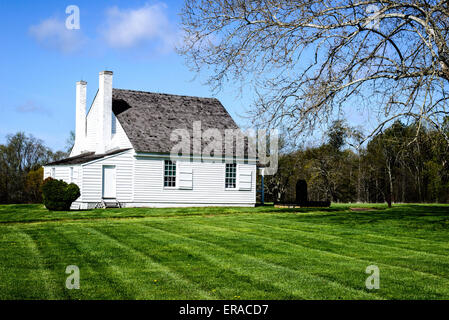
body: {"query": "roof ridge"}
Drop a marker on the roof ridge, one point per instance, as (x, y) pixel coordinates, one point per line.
(165, 94)
(149, 119)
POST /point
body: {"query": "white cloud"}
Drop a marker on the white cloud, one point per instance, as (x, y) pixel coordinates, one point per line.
(52, 33)
(32, 107)
(148, 25)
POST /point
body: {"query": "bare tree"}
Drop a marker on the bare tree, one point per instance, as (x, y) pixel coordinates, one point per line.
(311, 61)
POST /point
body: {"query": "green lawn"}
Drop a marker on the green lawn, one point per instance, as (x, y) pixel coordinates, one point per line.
(225, 253)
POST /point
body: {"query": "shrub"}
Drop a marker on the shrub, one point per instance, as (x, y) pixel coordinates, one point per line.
(58, 195)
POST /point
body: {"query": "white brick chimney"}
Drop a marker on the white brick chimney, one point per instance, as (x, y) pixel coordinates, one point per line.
(104, 112)
(80, 121)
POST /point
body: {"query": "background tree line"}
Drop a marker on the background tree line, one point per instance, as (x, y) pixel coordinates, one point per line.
(310, 62)
(21, 172)
(404, 163)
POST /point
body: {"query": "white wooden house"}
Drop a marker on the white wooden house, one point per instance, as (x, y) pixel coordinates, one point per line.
(122, 152)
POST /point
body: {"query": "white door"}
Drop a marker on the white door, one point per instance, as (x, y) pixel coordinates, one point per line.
(109, 184)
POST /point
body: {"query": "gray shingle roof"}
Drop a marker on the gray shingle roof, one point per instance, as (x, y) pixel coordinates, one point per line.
(84, 158)
(148, 119)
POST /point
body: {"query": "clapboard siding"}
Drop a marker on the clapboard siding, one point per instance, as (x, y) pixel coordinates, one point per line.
(208, 184)
(140, 182)
(47, 172)
(92, 177)
(119, 140)
(63, 173)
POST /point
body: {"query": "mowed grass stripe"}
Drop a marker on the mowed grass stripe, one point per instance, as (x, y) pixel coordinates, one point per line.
(97, 279)
(307, 282)
(50, 276)
(394, 278)
(219, 253)
(412, 226)
(327, 247)
(408, 243)
(365, 235)
(311, 286)
(24, 268)
(435, 265)
(222, 276)
(131, 274)
(337, 271)
(103, 267)
(58, 254)
(348, 271)
(147, 271)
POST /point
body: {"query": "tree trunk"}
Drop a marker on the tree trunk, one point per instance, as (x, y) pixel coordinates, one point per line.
(403, 187)
(390, 191)
(359, 180)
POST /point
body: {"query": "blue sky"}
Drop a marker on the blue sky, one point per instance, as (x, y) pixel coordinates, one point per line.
(40, 60)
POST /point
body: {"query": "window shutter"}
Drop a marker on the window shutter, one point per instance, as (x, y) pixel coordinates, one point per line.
(245, 178)
(185, 174)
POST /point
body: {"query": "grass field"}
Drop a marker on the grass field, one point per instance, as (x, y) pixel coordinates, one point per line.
(225, 253)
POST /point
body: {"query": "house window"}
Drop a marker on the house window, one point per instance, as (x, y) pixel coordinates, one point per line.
(230, 175)
(113, 124)
(53, 173)
(169, 173)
